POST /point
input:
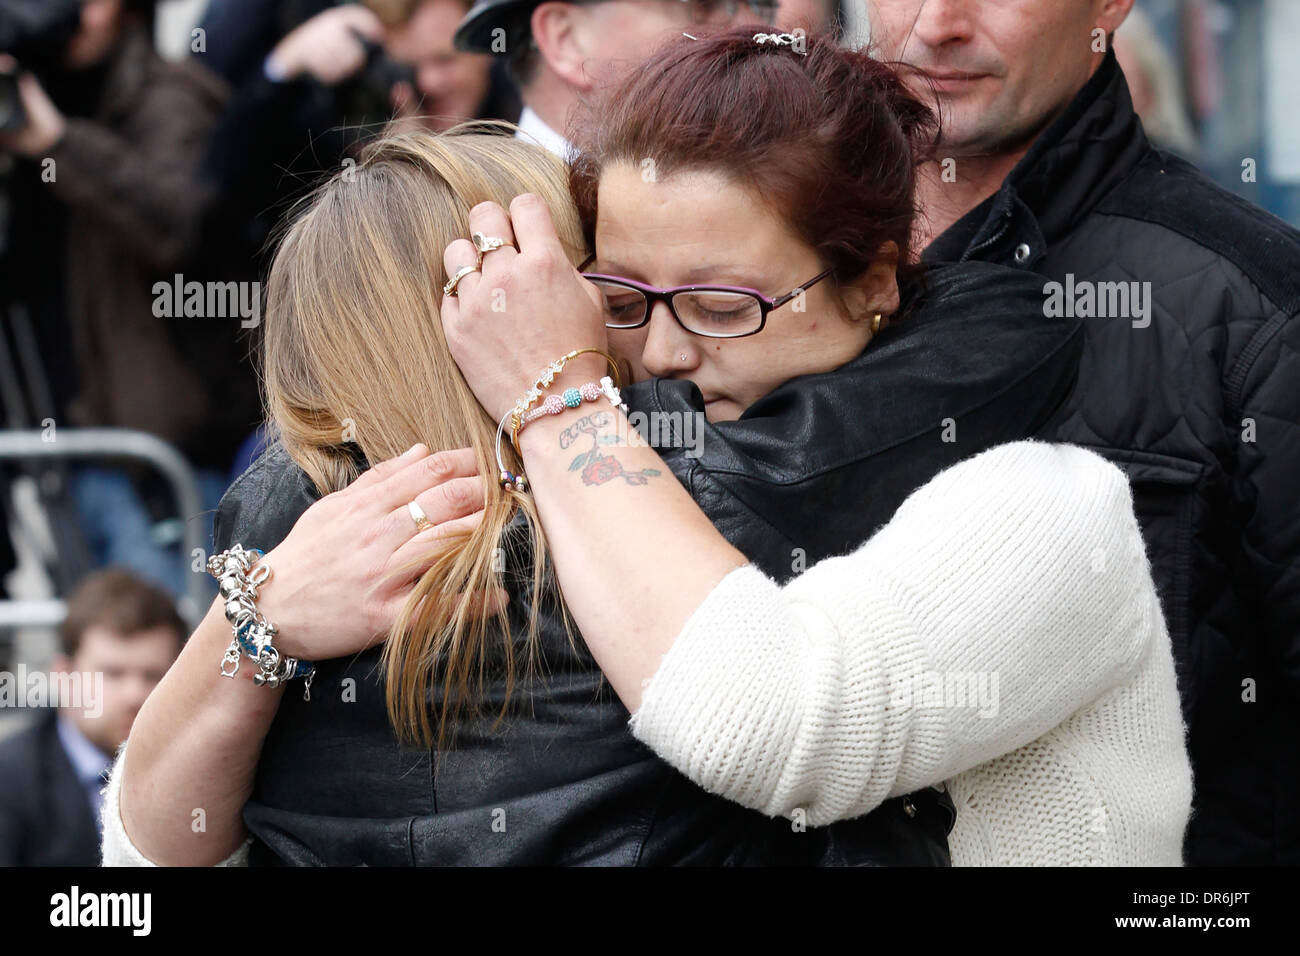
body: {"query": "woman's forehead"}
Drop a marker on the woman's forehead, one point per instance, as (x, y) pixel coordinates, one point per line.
(695, 227)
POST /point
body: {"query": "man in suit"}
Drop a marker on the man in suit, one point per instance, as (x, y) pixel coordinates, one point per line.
(120, 636)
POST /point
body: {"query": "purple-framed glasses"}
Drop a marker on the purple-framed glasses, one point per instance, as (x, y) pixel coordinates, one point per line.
(714, 311)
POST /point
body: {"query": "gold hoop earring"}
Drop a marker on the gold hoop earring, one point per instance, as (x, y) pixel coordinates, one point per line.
(875, 323)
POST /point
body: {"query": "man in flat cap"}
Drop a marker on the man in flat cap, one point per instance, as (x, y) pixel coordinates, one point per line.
(558, 51)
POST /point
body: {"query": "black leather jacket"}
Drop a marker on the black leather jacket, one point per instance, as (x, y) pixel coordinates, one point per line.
(817, 466)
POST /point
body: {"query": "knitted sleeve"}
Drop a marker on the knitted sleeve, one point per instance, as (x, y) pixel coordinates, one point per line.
(118, 850)
(1004, 595)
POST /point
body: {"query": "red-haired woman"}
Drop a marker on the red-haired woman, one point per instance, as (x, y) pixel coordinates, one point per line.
(926, 655)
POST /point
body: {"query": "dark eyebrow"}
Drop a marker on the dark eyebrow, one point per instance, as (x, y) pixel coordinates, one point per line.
(711, 274)
(614, 269)
(699, 274)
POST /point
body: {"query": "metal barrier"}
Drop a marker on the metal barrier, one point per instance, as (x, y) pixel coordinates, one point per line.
(112, 443)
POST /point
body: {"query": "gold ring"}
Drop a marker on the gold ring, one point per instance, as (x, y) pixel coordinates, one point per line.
(462, 272)
(422, 522)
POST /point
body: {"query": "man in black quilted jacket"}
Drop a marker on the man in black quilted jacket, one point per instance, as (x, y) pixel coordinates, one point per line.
(1190, 378)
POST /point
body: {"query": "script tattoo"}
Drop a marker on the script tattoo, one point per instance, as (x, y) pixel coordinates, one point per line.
(597, 467)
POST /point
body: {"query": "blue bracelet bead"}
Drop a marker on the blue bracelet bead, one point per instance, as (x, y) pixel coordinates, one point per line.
(572, 398)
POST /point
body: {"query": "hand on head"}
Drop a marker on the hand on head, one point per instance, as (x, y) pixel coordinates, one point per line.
(525, 306)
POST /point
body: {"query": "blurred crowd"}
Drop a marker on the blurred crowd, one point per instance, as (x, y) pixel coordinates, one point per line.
(139, 197)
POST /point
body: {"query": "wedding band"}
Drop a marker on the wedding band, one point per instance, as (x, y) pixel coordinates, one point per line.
(462, 272)
(422, 522)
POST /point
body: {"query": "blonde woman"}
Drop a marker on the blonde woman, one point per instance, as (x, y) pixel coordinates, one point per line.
(356, 369)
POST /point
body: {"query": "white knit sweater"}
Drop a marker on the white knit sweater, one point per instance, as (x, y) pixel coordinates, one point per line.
(1001, 633)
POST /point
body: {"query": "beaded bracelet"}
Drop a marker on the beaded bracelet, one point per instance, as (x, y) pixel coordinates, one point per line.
(572, 398)
(543, 380)
(554, 405)
(507, 479)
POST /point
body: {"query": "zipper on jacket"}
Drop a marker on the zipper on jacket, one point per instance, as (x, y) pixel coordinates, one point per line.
(991, 240)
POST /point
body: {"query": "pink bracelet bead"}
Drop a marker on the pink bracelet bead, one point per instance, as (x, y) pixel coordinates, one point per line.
(554, 404)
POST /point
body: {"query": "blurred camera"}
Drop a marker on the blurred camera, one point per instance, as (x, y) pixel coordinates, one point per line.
(381, 72)
(35, 33)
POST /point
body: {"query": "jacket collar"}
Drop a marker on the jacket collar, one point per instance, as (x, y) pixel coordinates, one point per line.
(88, 761)
(533, 127)
(1069, 169)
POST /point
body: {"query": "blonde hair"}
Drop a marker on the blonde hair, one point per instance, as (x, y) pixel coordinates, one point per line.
(354, 353)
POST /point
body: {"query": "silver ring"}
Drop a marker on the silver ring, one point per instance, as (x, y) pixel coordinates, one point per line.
(454, 281)
(422, 522)
(485, 244)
